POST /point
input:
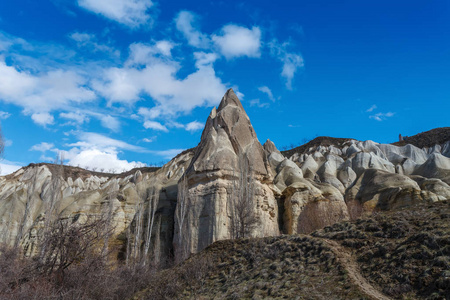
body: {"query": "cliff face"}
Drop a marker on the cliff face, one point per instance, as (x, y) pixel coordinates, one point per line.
(228, 149)
(31, 195)
(228, 186)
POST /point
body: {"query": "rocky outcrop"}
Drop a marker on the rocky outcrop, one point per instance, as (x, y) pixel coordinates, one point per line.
(374, 176)
(25, 196)
(228, 149)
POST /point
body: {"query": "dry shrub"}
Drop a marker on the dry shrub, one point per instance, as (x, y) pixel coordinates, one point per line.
(71, 264)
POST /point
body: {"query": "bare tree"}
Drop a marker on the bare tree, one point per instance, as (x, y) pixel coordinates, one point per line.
(181, 250)
(242, 200)
(67, 242)
(51, 204)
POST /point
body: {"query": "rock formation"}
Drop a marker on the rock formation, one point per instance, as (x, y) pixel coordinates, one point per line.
(228, 146)
(228, 186)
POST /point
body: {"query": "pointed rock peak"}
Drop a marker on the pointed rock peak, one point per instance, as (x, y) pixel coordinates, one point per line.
(270, 147)
(213, 113)
(229, 98)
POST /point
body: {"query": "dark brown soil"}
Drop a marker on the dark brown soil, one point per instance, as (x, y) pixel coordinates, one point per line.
(406, 252)
(427, 138)
(318, 141)
(402, 254)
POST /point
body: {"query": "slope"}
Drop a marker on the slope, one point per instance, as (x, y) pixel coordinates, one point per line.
(398, 254)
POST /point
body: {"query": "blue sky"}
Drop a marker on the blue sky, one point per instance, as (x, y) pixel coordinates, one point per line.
(113, 84)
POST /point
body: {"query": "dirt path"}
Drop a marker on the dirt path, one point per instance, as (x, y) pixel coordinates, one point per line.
(349, 263)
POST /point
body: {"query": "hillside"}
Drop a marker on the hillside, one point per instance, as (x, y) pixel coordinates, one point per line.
(420, 140)
(318, 141)
(427, 138)
(403, 254)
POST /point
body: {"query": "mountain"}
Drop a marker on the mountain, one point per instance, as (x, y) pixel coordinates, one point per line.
(229, 186)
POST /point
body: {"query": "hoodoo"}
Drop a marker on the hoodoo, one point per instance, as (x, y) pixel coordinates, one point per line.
(228, 174)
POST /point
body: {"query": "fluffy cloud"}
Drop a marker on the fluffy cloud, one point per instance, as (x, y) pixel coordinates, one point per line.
(194, 126)
(185, 23)
(157, 78)
(4, 115)
(144, 54)
(93, 150)
(381, 116)
(132, 13)
(236, 41)
(43, 119)
(110, 122)
(102, 160)
(155, 126)
(42, 147)
(76, 117)
(203, 59)
(41, 93)
(89, 140)
(291, 61)
(8, 167)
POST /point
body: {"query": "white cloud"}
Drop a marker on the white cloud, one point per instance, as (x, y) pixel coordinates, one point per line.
(102, 160)
(42, 147)
(43, 119)
(155, 126)
(171, 153)
(4, 115)
(91, 140)
(381, 116)
(132, 13)
(110, 122)
(236, 41)
(194, 126)
(149, 113)
(185, 23)
(203, 59)
(77, 117)
(8, 143)
(267, 91)
(8, 167)
(94, 150)
(90, 41)
(41, 93)
(258, 103)
(291, 61)
(143, 54)
(150, 139)
(158, 80)
(371, 108)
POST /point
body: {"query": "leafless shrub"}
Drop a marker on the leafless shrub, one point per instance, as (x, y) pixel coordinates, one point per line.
(242, 202)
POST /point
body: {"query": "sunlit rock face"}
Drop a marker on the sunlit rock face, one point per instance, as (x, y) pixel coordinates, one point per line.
(227, 142)
(372, 176)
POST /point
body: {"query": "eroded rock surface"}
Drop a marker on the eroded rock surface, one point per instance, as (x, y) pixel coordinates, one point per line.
(295, 191)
